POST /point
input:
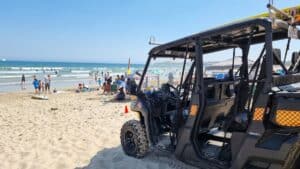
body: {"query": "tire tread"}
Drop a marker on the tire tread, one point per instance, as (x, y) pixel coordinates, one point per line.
(140, 136)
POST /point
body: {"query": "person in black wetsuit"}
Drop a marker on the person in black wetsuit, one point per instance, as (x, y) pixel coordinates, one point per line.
(23, 82)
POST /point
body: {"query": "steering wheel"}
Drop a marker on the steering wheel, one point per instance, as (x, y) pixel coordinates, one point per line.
(176, 92)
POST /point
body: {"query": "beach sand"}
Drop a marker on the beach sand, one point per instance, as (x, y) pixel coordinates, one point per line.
(70, 130)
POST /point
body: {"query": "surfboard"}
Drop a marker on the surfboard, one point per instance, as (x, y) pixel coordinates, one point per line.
(39, 97)
(293, 11)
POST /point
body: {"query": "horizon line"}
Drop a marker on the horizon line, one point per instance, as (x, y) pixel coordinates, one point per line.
(88, 62)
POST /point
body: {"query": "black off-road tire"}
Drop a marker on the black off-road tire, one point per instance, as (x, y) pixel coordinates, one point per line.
(139, 146)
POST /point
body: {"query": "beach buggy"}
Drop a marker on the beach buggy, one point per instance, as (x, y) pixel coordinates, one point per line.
(248, 118)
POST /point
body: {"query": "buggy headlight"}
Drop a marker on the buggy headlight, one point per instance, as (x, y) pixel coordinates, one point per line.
(137, 115)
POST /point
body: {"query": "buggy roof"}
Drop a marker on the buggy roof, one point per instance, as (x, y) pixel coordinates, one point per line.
(223, 37)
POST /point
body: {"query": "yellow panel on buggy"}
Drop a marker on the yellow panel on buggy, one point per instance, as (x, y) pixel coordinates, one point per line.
(258, 114)
(288, 118)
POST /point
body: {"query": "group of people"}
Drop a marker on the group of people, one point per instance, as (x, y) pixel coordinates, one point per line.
(107, 84)
(120, 85)
(42, 86)
(82, 87)
(110, 86)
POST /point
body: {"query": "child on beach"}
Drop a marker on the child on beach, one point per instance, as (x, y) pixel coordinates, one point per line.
(80, 87)
(36, 84)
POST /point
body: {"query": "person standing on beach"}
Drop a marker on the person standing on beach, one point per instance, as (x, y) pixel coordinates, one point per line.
(105, 77)
(128, 85)
(23, 82)
(99, 82)
(36, 84)
(47, 84)
(122, 78)
(109, 80)
(96, 76)
(41, 86)
(107, 86)
(118, 80)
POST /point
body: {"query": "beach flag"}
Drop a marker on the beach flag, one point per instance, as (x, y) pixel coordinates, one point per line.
(128, 68)
(126, 109)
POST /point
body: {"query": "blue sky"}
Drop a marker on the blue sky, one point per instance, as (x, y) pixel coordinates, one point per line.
(109, 31)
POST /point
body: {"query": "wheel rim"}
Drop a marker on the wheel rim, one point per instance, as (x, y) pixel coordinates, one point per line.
(130, 145)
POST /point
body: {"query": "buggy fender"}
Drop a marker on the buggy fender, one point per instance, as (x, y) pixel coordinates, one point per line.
(139, 107)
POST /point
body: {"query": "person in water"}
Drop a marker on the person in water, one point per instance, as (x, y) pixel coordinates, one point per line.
(23, 82)
(36, 85)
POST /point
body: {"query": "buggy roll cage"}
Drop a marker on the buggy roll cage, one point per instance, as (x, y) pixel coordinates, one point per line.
(192, 116)
(228, 36)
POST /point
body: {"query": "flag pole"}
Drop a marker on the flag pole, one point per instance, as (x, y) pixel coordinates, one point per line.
(128, 67)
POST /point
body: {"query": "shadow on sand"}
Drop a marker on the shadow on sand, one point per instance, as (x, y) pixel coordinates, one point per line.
(110, 99)
(114, 158)
(117, 101)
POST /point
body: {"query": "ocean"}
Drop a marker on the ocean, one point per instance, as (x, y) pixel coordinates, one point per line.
(63, 74)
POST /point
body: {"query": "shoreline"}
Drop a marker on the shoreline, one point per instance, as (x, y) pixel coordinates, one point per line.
(59, 85)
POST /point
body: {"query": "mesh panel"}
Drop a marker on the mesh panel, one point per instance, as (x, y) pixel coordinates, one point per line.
(258, 114)
(287, 118)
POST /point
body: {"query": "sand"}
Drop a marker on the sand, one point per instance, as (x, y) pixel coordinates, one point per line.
(70, 130)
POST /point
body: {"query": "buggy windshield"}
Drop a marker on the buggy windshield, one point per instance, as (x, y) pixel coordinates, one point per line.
(165, 70)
